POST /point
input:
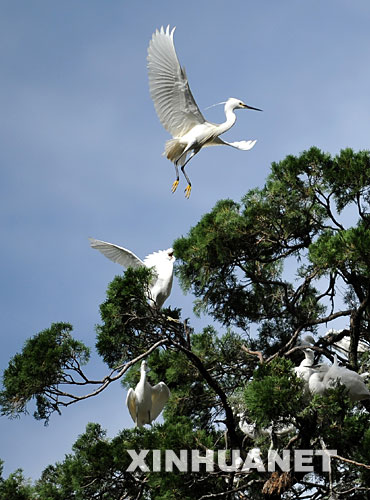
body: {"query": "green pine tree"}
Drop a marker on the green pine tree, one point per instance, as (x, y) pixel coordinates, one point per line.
(287, 259)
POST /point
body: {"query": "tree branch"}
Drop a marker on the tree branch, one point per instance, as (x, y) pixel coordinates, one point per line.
(107, 380)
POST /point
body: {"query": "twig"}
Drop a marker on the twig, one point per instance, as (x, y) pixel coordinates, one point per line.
(342, 459)
(254, 353)
(234, 490)
(106, 380)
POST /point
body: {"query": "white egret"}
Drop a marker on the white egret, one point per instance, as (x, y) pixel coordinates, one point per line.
(343, 344)
(145, 402)
(178, 111)
(161, 262)
(305, 370)
(357, 389)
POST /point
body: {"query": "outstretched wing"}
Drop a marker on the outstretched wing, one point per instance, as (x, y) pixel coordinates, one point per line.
(131, 403)
(116, 253)
(169, 87)
(160, 395)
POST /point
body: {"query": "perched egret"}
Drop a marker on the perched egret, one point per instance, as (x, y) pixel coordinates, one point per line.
(178, 111)
(161, 262)
(321, 381)
(247, 428)
(305, 370)
(145, 402)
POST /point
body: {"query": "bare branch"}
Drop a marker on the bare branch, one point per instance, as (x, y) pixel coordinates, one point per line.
(353, 462)
(104, 382)
(254, 353)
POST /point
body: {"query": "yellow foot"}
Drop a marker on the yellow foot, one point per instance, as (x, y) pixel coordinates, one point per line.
(187, 191)
(174, 186)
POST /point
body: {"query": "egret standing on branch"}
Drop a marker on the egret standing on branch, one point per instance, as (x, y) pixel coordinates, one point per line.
(145, 402)
(178, 111)
(161, 262)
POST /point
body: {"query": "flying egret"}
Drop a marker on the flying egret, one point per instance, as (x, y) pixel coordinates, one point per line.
(177, 110)
(161, 262)
(145, 402)
(354, 383)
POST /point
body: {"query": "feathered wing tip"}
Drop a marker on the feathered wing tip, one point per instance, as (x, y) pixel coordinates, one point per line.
(160, 396)
(165, 32)
(131, 403)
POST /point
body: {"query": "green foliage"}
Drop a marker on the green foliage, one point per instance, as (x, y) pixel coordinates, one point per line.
(221, 356)
(233, 259)
(274, 394)
(124, 315)
(40, 366)
(129, 325)
(348, 250)
(98, 465)
(279, 263)
(15, 486)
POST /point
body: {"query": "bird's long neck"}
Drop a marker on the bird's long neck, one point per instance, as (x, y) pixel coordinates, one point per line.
(230, 119)
(143, 376)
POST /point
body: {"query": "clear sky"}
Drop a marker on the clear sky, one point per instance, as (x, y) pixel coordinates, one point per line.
(81, 151)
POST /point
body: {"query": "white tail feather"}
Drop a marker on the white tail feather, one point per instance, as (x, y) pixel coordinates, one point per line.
(243, 145)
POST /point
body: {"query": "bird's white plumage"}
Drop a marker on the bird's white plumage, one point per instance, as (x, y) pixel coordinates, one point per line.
(146, 402)
(178, 111)
(320, 382)
(305, 370)
(169, 87)
(116, 253)
(161, 262)
(343, 345)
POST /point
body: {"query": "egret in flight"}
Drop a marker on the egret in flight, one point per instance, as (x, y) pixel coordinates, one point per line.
(145, 402)
(161, 262)
(177, 110)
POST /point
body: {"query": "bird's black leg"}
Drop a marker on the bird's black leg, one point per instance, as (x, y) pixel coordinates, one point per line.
(176, 182)
(188, 187)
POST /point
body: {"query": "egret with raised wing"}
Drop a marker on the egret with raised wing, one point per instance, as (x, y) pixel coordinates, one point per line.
(146, 402)
(161, 262)
(177, 110)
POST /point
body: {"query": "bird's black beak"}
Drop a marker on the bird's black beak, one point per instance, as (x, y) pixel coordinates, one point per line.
(250, 107)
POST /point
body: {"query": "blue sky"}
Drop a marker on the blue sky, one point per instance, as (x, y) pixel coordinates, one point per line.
(81, 151)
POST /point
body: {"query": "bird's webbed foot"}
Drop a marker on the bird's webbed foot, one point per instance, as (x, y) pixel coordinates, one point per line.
(174, 185)
(188, 191)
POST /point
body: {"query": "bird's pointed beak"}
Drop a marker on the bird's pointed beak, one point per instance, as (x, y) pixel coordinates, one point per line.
(245, 106)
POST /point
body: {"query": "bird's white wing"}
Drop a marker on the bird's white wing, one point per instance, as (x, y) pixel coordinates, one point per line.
(131, 403)
(243, 145)
(116, 253)
(168, 85)
(160, 395)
